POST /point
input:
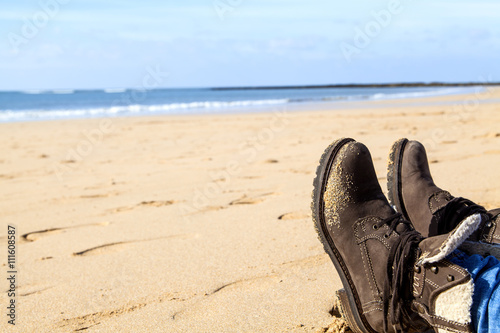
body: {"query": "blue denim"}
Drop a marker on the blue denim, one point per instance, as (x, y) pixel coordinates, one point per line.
(485, 273)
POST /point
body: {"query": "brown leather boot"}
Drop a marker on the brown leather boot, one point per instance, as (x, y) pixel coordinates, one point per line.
(394, 280)
(432, 210)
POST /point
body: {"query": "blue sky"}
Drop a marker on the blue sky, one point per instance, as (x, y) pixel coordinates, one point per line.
(89, 44)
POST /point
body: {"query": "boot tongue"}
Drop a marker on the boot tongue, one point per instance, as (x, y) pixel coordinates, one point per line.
(432, 249)
(439, 247)
(385, 211)
(402, 227)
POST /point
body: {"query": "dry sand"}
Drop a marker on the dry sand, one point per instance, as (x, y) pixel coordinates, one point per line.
(202, 223)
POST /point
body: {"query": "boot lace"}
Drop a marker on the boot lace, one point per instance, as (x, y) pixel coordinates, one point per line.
(455, 212)
(400, 262)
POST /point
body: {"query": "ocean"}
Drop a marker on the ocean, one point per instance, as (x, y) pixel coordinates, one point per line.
(66, 104)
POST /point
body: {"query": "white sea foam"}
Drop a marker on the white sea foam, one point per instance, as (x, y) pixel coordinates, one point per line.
(174, 108)
(429, 93)
(115, 91)
(33, 92)
(62, 92)
(7, 115)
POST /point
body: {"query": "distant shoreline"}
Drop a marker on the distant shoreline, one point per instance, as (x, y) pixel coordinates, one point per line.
(22, 106)
(368, 85)
(325, 86)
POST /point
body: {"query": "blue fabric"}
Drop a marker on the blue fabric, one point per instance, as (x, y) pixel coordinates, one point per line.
(485, 272)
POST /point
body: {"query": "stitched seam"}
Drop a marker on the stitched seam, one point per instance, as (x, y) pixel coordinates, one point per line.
(356, 232)
(446, 320)
(363, 249)
(374, 309)
(431, 205)
(432, 283)
(381, 239)
(370, 265)
(370, 302)
(448, 328)
(361, 224)
(434, 195)
(455, 267)
(364, 257)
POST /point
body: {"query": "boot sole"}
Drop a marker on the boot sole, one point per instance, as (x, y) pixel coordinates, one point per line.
(349, 297)
(394, 184)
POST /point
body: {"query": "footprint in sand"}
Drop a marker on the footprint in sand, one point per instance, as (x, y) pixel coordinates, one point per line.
(151, 203)
(246, 200)
(210, 209)
(118, 246)
(35, 235)
(94, 196)
(305, 172)
(489, 135)
(84, 322)
(294, 216)
(33, 292)
(251, 177)
(101, 249)
(157, 203)
(99, 195)
(245, 283)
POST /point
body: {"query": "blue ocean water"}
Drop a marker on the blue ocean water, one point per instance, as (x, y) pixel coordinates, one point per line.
(43, 105)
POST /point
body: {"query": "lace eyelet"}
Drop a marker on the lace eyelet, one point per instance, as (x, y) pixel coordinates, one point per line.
(375, 227)
(450, 278)
(386, 236)
(434, 269)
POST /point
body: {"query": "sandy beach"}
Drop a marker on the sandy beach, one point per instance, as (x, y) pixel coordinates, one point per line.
(202, 223)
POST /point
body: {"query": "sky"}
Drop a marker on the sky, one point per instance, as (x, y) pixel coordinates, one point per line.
(90, 44)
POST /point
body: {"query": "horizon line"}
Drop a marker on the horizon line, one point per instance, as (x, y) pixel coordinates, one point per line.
(283, 87)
